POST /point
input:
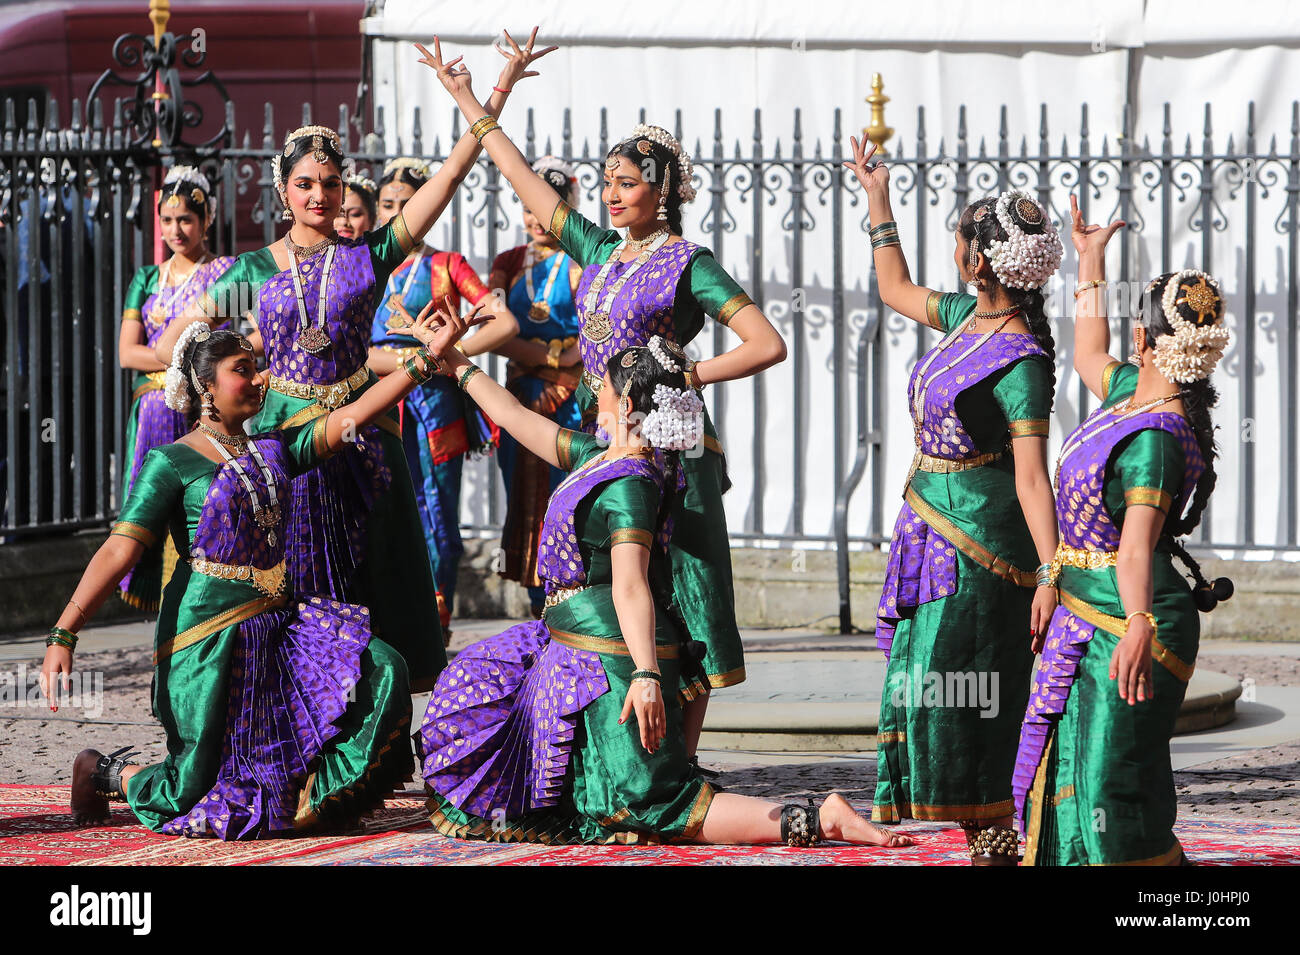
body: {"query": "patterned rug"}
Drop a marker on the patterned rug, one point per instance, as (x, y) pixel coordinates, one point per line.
(36, 829)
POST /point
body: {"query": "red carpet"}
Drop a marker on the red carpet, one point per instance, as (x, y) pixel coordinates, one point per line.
(36, 829)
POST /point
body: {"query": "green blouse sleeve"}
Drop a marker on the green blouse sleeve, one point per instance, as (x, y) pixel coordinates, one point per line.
(1119, 379)
(389, 247)
(1024, 394)
(630, 510)
(142, 284)
(585, 241)
(155, 496)
(1149, 467)
(716, 291)
(575, 448)
(232, 294)
(305, 445)
(949, 310)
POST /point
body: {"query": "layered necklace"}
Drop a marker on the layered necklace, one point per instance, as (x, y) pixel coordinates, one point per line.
(312, 338)
(395, 300)
(540, 311)
(161, 306)
(266, 514)
(923, 382)
(596, 326)
(1112, 419)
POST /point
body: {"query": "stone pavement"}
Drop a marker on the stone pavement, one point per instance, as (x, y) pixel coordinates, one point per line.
(1251, 767)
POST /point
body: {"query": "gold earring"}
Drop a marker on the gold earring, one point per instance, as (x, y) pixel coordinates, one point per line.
(663, 198)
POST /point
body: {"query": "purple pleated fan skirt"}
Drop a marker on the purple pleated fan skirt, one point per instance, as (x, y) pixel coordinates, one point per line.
(922, 567)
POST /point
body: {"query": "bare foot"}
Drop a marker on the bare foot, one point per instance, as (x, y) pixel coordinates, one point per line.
(89, 808)
(841, 823)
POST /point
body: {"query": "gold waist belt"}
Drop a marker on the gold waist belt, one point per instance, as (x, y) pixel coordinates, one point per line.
(154, 381)
(1067, 556)
(936, 465)
(556, 597)
(327, 396)
(269, 582)
(594, 382)
(564, 342)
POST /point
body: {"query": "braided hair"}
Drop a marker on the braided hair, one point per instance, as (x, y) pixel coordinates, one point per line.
(979, 221)
(1199, 398)
(640, 376)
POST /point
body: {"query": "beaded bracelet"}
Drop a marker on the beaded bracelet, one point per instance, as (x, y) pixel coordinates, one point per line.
(465, 376)
(652, 675)
(61, 637)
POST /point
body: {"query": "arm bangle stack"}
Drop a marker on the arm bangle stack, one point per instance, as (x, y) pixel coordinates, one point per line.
(484, 126)
(413, 371)
(884, 235)
(653, 676)
(466, 375)
(1043, 576)
(61, 637)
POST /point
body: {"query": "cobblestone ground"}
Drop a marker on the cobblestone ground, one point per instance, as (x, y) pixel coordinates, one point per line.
(37, 746)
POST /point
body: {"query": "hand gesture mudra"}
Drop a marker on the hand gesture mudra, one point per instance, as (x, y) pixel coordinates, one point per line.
(439, 326)
(874, 176)
(454, 79)
(518, 60)
(1090, 238)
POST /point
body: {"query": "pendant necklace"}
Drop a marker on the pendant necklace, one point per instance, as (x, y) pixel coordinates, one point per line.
(395, 319)
(267, 515)
(311, 338)
(596, 326)
(161, 307)
(540, 311)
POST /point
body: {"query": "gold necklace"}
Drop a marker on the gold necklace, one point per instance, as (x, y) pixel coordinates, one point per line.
(1072, 444)
(229, 440)
(1010, 310)
(636, 245)
(303, 251)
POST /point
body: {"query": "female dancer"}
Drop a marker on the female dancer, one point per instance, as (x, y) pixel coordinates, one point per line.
(1093, 784)
(545, 368)
(354, 533)
(977, 514)
(282, 711)
(155, 297)
(357, 217)
(647, 178)
(527, 735)
(438, 426)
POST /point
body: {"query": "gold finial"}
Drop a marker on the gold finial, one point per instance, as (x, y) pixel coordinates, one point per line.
(159, 13)
(878, 132)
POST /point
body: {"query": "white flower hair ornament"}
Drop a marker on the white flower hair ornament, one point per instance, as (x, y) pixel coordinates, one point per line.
(658, 348)
(558, 174)
(175, 395)
(676, 423)
(1024, 260)
(1195, 347)
(661, 136)
(187, 174)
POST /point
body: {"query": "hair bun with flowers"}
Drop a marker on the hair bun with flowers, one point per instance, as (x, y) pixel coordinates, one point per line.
(559, 175)
(661, 136)
(191, 174)
(676, 423)
(175, 394)
(1024, 260)
(1193, 305)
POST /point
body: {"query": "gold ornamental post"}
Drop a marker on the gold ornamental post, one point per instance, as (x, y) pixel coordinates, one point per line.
(877, 131)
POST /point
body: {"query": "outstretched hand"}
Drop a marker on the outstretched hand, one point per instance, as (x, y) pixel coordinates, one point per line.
(519, 59)
(454, 79)
(1090, 238)
(874, 176)
(439, 326)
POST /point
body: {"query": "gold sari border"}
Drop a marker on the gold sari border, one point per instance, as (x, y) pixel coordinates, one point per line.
(632, 535)
(559, 217)
(889, 812)
(1149, 497)
(720, 680)
(968, 545)
(319, 438)
(154, 381)
(1036, 794)
(564, 448)
(1117, 627)
(1063, 795)
(700, 809)
(132, 315)
(608, 645)
(135, 532)
(1165, 858)
(731, 306)
(402, 234)
(712, 444)
(201, 631)
(892, 736)
(1030, 428)
(1107, 376)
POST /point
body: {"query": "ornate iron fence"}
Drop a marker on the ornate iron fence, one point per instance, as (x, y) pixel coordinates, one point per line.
(808, 442)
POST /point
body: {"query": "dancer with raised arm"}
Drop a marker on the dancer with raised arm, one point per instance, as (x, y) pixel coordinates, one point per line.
(961, 598)
(353, 528)
(439, 427)
(156, 296)
(653, 282)
(569, 729)
(1093, 782)
(283, 710)
(539, 280)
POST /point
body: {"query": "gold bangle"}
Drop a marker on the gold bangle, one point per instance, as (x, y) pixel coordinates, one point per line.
(81, 611)
(484, 126)
(1090, 284)
(467, 375)
(1151, 619)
